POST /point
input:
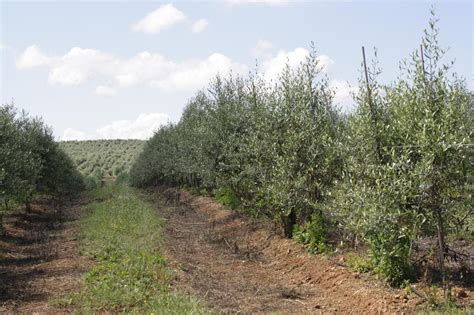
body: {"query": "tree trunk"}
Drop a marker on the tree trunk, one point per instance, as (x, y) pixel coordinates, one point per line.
(1, 224)
(442, 249)
(288, 221)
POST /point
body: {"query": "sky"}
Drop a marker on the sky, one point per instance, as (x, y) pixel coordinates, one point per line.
(122, 69)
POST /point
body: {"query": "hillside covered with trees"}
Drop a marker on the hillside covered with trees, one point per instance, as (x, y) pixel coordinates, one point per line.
(100, 158)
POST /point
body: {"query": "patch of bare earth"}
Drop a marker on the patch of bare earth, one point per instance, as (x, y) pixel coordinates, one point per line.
(239, 265)
(39, 259)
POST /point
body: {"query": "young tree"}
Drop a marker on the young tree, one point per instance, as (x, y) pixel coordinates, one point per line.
(406, 173)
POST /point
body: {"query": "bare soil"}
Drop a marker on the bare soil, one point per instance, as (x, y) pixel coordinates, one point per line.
(242, 266)
(39, 258)
(233, 263)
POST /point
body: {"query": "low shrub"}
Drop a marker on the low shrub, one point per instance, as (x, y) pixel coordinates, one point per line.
(227, 197)
(313, 235)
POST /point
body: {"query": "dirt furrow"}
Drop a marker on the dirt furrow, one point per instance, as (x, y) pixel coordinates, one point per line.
(39, 260)
(237, 265)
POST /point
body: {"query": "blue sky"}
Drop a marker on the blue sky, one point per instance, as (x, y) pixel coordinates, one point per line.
(121, 69)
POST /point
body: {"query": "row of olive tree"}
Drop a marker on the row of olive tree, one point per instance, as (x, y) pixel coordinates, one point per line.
(269, 145)
(394, 170)
(31, 162)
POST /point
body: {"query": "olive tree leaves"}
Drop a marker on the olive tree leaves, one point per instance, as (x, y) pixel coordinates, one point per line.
(30, 160)
(395, 170)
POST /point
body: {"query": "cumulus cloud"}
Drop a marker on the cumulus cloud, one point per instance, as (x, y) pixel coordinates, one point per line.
(143, 67)
(162, 18)
(195, 74)
(142, 128)
(199, 26)
(72, 134)
(263, 48)
(343, 96)
(80, 65)
(104, 90)
(32, 57)
(274, 66)
(275, 3)
(325, 62)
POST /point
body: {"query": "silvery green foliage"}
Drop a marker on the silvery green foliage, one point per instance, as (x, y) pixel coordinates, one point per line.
(30, 161)
(396, 169)
(271, 143)
(20, 164)
(298, 140)
(417, 185)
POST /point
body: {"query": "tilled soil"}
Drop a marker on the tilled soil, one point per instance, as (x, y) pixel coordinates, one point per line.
(39, 259)
(232, 263)
(237, 265)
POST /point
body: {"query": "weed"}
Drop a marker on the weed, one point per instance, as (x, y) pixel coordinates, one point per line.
(359, 263)
(227, 197)
(313, 234)
(130, 275)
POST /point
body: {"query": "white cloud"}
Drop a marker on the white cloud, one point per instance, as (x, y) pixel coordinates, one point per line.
(195, 74)
(162, 18)
(143, 68)
(72, 134)
(199, 26)
(343, 96)
(80, 65)
(325, 62)
(141, 128)
(32, 57)
(263, 48)
(104, 90)
(273, 67)
(275, 3)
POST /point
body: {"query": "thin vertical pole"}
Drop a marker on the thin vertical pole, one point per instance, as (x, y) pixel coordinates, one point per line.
(366, 73)
(439, 217)
(372, 109)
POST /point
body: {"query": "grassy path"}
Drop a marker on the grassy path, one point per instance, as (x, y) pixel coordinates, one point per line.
(122, 234)
(97, 254)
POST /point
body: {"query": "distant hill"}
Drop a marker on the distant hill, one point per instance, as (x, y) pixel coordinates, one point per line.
(103, 157)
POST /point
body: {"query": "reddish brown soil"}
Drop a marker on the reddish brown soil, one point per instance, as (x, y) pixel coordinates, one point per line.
(237, 265)
(232, 263)
(39, 259)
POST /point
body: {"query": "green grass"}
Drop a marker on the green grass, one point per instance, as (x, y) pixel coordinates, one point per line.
(123, 234)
